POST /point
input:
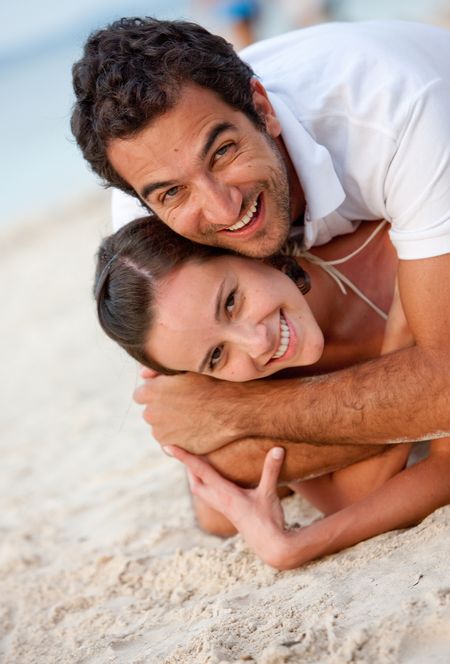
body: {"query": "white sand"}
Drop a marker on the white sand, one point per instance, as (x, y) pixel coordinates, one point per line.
(100, 560)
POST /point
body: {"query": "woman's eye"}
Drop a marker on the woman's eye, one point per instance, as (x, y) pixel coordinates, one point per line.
(215, 357)
(230, 302)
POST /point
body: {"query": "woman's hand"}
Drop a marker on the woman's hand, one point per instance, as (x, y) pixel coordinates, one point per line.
(256, 513)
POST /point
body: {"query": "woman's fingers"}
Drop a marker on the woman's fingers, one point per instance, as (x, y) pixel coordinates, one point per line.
(198, 467)
(271, 471)
(208, 485)
(256, 513)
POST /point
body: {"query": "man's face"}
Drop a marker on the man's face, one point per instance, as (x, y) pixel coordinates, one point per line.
(210, 174)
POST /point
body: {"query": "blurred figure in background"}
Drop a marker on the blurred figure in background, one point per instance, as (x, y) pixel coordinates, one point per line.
(301, 13)
(240, 16)
(246, 21)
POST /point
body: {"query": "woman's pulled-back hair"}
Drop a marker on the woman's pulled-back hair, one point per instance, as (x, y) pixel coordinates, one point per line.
(130, 263)
(133, 71)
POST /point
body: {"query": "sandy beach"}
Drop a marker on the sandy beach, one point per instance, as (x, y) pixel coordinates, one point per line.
(100, 559)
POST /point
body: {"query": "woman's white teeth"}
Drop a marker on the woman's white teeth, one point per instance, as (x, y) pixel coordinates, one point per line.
(248, 216)
(284, 338)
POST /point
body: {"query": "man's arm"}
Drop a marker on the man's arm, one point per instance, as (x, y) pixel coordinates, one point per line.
(400, 397)
(242, 461)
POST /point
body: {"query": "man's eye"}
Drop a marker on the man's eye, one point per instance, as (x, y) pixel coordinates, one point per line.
(215, 357)
(230, 302)
(170, 193)
(222, 151)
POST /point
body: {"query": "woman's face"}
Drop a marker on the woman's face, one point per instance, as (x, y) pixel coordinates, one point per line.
(232, 318)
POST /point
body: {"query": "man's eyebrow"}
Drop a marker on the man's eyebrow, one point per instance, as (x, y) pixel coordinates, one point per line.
(150, 188)
(210, 139)
(212, 136)
(217, 310)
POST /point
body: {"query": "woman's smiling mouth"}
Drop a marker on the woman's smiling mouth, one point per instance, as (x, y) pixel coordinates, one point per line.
(285, 336)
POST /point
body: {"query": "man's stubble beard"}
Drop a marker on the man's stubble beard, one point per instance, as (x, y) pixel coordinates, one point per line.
(273, 236)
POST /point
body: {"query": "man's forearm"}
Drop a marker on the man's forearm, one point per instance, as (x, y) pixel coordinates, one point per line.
(400, 397)
(242, 461)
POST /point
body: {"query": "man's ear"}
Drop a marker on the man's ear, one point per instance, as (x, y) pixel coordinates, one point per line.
(264, 108)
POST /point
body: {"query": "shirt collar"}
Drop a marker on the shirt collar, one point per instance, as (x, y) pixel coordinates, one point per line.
(312, 161)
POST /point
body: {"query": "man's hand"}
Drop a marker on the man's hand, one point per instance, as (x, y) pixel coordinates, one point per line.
(190, 410)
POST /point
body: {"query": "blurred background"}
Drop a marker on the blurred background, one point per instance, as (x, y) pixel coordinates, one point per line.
(86, 497)
(41, 165)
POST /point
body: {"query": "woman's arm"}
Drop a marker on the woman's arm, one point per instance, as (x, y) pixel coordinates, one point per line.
(334, 491)
(242, 462)
(402, 501)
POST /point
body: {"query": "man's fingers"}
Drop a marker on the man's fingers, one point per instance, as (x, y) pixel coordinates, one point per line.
(147, 415)
(145, 373)
(139, 394)
(271, 470)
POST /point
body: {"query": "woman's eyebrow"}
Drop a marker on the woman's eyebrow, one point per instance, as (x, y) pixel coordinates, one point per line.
(217, 310)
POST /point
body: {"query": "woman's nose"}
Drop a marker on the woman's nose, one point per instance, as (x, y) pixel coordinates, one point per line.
(253, 339)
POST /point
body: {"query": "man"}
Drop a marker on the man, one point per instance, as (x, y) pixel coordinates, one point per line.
(344, 123)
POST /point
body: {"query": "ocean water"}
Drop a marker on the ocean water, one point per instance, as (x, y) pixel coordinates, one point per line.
(41, 165)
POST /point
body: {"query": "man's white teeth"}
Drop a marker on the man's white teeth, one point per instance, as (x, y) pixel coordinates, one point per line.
(248, 216)
(284, 338)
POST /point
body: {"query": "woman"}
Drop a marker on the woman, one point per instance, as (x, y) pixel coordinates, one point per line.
(175, 307)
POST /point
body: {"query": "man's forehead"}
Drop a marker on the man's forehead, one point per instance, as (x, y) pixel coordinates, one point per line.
(190, 127)
(195, 105)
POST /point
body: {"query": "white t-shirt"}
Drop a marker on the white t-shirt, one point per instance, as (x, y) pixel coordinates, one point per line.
(365, 116)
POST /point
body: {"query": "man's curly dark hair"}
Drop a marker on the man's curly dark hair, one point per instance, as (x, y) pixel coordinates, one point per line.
(133, 71)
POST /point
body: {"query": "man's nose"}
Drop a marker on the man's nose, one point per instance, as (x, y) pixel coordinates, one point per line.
(219, 203)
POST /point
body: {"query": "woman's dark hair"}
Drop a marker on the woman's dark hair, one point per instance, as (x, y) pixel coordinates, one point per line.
(130, 264)
(133, 71)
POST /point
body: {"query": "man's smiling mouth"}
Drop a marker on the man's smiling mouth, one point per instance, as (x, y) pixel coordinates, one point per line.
(248, 217)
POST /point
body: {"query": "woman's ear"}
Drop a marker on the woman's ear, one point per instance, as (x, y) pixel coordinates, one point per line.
(264, 108)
